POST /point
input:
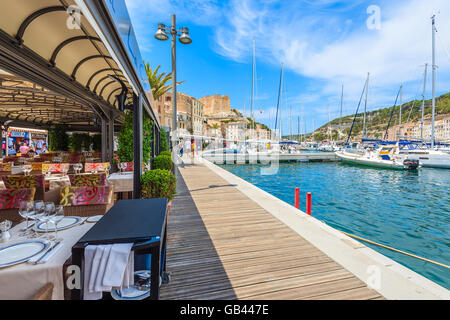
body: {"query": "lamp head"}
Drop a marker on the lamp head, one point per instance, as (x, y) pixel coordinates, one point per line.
(185, 38)
(161, 33)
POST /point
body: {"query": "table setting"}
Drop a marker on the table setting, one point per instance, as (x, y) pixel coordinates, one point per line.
(33, 252)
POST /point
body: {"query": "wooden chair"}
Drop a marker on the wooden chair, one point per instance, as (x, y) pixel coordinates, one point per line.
(81, 210)
(9, 203)
(45, 293)
(31, 181)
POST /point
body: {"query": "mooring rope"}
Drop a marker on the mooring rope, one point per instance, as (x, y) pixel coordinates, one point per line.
(396, 250)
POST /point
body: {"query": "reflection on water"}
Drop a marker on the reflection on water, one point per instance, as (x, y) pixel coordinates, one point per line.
(406, 210)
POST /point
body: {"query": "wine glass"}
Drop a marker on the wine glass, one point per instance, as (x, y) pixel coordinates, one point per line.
(49, 209)
(107, 167)
(39, 212)
(27, 169)
(26, 208)
(56, 219)
(64, 170)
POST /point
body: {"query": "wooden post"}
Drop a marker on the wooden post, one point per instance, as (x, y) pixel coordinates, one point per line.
(308, 203)
(137, 145)
(297, 198)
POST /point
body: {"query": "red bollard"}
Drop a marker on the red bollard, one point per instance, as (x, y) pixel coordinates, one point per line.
(308, 203)
(297, 198)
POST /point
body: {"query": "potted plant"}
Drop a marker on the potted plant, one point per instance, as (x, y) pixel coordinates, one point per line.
(163, 162)
(158, 183)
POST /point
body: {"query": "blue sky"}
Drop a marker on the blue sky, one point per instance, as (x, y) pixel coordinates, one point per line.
(322, 44)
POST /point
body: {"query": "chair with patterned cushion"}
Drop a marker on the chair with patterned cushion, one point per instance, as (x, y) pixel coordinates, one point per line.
(89, 180)
(55, 167)
(99, 167)
(129, 166)
(31, 181)
(10, 201)
(36, 167)
(5, 169)
(86, 201)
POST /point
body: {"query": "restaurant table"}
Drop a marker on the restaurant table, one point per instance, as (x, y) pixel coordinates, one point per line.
(22, 281)
(142, 222)
(123, 182)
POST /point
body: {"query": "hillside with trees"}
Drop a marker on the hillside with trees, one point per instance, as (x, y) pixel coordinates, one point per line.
(377, 120)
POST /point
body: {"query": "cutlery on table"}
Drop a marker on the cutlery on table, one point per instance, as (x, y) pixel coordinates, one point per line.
(52, 247)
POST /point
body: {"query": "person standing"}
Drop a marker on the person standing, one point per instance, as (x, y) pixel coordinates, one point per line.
(24, 149)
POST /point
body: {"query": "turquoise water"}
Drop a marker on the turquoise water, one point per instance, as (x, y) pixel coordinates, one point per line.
(409, 211)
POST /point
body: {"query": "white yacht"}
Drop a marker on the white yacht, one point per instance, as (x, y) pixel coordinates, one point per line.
(428, 157)
(384, 157)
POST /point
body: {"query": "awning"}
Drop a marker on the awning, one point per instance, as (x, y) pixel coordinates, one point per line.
(58, 53)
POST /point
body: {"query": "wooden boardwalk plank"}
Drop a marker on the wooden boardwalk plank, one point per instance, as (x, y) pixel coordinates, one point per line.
(223, 245)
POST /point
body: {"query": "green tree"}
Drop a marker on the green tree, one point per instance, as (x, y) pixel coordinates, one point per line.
(164, 145)
(160, 83)
(58, 139)
(125, 137)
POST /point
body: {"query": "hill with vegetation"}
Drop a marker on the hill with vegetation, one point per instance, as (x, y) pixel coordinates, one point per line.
(377, 120)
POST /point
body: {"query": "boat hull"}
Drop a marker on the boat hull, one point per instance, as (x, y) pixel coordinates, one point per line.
(369, 162)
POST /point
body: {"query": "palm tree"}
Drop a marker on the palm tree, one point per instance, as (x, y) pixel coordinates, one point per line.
(158, 82)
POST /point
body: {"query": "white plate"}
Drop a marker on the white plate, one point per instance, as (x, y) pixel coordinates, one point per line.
(21, 252)
(132, 293)
(65, 223)
(94, 219)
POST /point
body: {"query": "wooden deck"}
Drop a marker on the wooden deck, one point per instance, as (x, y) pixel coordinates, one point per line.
(223, 245)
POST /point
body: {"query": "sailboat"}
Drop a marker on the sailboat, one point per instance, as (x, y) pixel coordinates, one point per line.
(433, 157)
(383, 157)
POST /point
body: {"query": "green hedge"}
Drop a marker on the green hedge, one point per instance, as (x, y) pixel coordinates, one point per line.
(125, 137)
(158, 184)
(163, 162)
(166, 153)
(164, 145)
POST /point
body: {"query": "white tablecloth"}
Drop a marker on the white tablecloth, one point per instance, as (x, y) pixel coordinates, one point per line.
(123, 182)
(22, 281)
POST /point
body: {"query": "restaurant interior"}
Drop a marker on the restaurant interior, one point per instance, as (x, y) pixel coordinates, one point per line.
(64, 63)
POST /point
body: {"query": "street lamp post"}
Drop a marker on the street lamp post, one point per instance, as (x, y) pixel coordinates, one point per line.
(184, 38)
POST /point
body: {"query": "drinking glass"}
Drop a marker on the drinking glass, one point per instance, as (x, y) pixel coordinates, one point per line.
(56, 219)
(27, 169)
(49, 213)
(26, 208)
(39, 212)
(107, 167)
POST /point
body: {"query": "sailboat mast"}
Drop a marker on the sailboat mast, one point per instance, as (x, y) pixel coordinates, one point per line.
(340, 118)
(423, 99)
(328, 129)
(400, 116)
(290, 122)
(433, 77)
(281, 99)
(253, 85)
(365, 108)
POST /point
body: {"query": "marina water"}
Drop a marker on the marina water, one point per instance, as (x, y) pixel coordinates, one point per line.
(406, 210)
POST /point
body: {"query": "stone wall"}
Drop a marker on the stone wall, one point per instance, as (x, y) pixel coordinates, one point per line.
(216, 104)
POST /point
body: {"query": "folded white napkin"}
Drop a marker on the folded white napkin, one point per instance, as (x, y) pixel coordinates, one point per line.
(107, 267)
(47, 254)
